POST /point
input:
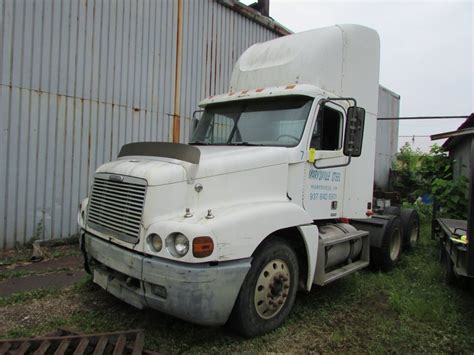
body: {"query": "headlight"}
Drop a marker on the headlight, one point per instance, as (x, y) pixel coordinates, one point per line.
(177, 244)
(154, 240)
(181, 244)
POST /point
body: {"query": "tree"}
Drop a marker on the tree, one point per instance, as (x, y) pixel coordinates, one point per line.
(418, 174)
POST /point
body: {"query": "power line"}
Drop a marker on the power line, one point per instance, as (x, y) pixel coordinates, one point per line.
(421, 118)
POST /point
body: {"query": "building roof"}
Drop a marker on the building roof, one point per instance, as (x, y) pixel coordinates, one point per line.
(256, 16)
(453, 138)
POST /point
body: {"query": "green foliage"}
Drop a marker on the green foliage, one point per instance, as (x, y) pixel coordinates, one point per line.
(451, 196)
(407, 181)
(425, 211)
(418, 174)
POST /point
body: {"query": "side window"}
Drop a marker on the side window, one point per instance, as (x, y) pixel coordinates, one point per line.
(327, 133)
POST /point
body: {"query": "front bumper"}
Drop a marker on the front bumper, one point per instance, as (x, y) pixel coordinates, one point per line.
(201, 293)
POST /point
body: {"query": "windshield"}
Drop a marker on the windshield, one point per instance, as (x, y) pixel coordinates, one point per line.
(275, 121)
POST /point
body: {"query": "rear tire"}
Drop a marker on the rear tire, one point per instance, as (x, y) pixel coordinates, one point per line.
(385, 257)
(392, 210)
(269, 290)
(411, 227)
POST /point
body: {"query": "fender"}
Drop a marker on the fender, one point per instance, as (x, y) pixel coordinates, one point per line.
(239, 230)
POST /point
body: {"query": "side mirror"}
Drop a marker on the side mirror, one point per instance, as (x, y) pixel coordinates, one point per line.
(354, 131)
(195, 120)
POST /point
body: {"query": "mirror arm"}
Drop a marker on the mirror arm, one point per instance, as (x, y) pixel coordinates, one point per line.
(333, 166)
(196, 112)
(340, 99)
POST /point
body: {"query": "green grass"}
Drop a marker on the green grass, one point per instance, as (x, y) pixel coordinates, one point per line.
(407, 310)
(22, 297)
(9, 274)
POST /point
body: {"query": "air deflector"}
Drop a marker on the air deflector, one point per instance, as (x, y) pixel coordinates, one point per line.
(178, 151)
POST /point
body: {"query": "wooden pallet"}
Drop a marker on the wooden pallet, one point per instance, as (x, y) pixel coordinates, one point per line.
(127, 342)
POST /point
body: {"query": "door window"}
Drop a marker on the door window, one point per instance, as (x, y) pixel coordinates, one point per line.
(327, 133)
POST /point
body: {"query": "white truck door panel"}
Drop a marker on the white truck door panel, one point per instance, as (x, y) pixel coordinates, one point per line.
(324, 187)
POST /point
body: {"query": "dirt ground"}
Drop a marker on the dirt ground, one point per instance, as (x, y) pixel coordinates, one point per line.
(61, 267)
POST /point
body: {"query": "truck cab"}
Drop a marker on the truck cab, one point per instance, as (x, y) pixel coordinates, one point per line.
(272, 195)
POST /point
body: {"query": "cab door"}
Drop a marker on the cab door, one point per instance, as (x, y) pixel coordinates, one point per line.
(324, 176)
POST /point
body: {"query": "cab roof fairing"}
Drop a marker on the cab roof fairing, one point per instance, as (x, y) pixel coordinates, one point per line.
(341, 59)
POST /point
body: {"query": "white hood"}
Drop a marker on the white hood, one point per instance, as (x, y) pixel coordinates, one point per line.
(214, 160)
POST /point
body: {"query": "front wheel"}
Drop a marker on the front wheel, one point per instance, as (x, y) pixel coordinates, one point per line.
(269, 290)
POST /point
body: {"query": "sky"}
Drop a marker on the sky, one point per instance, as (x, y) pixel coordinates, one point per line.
(427, 53)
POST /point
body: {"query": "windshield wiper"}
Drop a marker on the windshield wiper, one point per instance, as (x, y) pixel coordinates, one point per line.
(245, 144)
(199, 143)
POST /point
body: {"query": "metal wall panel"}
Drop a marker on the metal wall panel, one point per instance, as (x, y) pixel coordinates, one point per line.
(80, 78)
(387, 137)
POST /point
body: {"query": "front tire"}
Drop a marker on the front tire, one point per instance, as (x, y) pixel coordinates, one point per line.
(269, 290)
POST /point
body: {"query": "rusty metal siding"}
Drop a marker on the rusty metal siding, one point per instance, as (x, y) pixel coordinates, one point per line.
(80, 78)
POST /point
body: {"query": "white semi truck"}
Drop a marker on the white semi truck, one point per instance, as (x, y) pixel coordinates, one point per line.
(272, 195)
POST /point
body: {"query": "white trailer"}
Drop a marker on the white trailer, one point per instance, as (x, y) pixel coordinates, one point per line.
(272, 196)
(386, 146)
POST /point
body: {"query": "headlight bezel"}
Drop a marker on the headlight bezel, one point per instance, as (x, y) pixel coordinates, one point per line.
(155, 242)
(177, 244)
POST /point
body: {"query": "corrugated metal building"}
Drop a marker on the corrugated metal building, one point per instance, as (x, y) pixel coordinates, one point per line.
(80, 78)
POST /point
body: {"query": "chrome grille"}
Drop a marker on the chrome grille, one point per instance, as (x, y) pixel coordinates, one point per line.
(116, 206)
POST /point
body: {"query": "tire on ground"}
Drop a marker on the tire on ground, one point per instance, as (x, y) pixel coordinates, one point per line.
(258, 292)
(387, 255)
(411, 227)
(393, 210)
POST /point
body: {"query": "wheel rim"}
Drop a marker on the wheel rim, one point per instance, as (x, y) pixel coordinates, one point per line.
(395, 243)
(414, 234)
(271, 290)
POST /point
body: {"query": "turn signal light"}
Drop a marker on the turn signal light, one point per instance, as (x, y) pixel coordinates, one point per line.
(202, 247)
